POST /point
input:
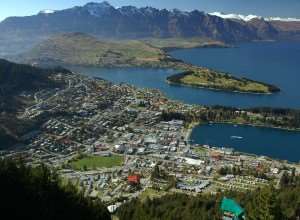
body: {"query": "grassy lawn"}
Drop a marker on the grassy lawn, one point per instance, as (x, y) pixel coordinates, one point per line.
(200, 150)
(94, 162)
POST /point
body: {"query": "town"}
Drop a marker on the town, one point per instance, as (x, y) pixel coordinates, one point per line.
(115, 143)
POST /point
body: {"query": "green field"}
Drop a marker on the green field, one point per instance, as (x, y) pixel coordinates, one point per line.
(200, 150)
(94, 162)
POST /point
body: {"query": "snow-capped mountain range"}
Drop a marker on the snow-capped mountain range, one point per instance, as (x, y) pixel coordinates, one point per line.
(98, 9)
(106, 21)
(250, 17)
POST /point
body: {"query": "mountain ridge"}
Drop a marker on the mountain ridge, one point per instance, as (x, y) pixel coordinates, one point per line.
(129, 22)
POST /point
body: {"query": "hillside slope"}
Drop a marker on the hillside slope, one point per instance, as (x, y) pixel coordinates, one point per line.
(37, 193)
(83, 49)
(18, 83)
(17, 78)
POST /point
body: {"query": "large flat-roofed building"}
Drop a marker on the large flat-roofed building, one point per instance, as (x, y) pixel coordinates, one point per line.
(231, 210)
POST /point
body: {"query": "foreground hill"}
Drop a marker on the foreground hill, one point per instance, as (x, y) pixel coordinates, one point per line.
(37, 193)
(18, 83)
(17, 78)
(103, 20)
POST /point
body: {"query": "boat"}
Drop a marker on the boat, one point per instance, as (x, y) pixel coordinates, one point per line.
(236, 137)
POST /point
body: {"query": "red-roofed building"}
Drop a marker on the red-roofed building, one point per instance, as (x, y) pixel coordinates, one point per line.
(134, 179)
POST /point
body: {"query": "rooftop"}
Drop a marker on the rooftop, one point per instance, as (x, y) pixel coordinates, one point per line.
(229, 205)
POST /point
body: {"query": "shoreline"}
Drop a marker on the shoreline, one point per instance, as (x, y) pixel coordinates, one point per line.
(204, 46)
(259, 126)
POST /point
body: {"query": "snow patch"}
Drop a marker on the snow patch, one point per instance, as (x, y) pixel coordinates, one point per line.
(282, 19)
(250, 17)
(235, 16)
(47, 11)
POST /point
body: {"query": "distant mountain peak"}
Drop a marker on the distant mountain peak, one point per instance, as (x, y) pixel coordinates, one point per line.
(103, 4)
(129, 10)
(149, 10)
(98, 9)
(180, 12)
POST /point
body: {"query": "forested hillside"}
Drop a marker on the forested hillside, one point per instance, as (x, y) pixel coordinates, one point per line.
(263, 204)
(18, 83)
(37, 193)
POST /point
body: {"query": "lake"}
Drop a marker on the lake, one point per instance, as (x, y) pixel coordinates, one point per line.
(274, 143)
(275, 63)
(271, 62)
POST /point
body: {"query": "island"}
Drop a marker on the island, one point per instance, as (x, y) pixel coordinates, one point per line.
(78, 49)
(205, 78)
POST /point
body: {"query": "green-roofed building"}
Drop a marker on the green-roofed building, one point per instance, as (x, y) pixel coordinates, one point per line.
(231, 210)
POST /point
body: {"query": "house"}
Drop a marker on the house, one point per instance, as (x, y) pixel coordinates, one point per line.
(231, 210)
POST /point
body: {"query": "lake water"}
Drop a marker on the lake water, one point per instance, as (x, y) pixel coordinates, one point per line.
(274, 143)
(276, 63)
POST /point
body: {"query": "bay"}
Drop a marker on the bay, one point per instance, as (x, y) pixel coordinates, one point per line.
(275, 143)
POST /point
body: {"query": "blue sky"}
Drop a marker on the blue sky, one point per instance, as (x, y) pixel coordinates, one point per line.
(283, 8)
